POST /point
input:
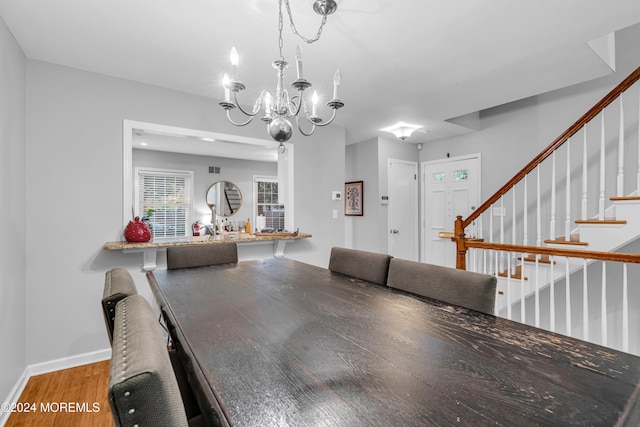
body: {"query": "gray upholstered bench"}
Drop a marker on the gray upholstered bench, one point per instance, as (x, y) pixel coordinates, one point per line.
(118, 284)
(369, 266)
(143, 389)
(201, 255)
(464, 288)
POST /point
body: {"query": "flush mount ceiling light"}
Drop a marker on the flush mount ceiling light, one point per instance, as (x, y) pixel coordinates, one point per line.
(402, 130)
(279, 107)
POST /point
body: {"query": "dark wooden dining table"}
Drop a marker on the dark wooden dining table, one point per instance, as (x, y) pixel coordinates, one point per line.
(278, 342)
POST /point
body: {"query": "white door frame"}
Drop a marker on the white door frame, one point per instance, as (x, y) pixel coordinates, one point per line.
(423, 166)
(416, 197)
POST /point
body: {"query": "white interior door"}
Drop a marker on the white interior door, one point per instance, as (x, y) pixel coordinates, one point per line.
(403, 209)
(451, 187)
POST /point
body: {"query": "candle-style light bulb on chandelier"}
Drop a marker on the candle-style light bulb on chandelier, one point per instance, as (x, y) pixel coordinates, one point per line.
(279, 107)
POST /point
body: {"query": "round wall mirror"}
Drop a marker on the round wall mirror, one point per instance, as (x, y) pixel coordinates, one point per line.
(224, 198)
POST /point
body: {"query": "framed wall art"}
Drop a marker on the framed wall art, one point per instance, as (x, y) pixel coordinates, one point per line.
(353, 198)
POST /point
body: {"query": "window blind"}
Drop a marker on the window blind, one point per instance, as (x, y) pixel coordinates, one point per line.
(267, 202)
(170, 195)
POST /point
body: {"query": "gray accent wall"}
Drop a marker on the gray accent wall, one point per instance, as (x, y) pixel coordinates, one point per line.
(74, 204)
(14, 227)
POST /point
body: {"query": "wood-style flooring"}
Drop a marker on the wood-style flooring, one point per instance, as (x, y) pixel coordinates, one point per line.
(71, 397)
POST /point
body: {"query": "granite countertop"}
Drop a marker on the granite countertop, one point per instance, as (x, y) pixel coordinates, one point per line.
(205, 240)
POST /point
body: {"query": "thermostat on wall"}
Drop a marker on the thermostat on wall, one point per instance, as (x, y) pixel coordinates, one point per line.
(384, 200)
(336, 195)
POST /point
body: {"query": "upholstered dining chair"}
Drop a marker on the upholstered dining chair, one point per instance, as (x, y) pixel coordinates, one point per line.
(201, 255)
(459, 287)
(118, 284)
(143, 389)
(369, 266)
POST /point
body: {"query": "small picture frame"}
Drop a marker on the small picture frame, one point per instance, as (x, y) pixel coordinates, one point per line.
(353, 198)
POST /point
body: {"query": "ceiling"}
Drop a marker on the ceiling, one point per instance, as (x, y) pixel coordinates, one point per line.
(422, 61)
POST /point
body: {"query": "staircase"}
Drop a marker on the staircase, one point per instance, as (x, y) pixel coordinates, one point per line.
(551, 233)
(606, 235)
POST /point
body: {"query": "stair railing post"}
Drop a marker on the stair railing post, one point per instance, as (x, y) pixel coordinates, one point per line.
(461, 244)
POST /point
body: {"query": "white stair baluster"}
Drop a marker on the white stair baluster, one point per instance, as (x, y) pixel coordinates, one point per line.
(567, 221)
(502, 215)
(509, 314)
(620, 180)
(509, 285)
(492, 254)
(638, 172)
(537, 294)
(525, 238)
(567, 280)
(603, 300)
(625, 310)
(523, 302)
(513, 228)
(602, 164)
(585, 302)
(584, 175)
(552, 223)
(539, 216)
(552, 297)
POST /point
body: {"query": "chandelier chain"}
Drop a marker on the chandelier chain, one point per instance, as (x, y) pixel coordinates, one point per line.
(293, 26)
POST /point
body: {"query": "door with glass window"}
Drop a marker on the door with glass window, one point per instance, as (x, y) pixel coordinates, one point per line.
(451, 187)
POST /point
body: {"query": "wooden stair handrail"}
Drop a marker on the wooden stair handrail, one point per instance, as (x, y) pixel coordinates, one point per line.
(587, 117)
(543, 250)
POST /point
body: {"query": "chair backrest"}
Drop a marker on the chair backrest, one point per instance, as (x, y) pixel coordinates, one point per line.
(369, 266)
(464, 288)
(118, 284)
(201, 255)
(142, 386)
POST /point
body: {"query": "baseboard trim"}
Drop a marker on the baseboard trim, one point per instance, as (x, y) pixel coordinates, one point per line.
(51, 366)
(14, 394)
(69, 362)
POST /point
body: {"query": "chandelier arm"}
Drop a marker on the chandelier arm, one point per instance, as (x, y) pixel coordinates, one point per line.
(296, 107)
(323, 123)
(249, 120)
(256, 107)
(313, 127)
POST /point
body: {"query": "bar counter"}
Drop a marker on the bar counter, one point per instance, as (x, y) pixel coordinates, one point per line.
(150, 249)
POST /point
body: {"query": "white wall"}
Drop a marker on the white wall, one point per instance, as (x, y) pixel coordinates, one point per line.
(74, 193)
(13, 225)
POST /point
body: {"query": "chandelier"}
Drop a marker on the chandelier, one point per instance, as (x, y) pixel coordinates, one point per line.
(280, 107)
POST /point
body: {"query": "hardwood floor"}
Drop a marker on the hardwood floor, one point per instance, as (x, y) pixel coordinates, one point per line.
(71, 397)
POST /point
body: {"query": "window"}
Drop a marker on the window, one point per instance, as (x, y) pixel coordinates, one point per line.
(170, 194)
(266, 202)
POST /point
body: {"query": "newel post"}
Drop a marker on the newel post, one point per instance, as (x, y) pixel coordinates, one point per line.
(461, 244)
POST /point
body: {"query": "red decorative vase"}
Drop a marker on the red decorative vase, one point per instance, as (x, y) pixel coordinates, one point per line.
(137, 231)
